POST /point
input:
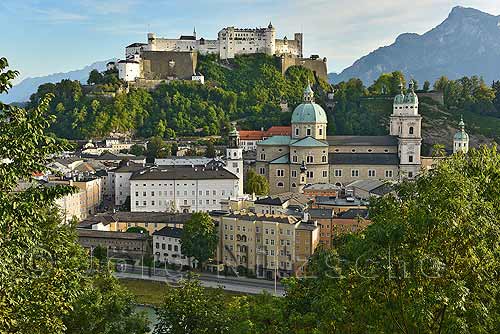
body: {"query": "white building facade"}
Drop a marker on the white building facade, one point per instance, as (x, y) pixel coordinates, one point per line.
(182, 189)
(167, 247)
(231, 41)
(406, 124)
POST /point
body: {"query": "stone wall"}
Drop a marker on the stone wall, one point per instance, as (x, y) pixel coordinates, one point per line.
(163, 65)
(317, 66)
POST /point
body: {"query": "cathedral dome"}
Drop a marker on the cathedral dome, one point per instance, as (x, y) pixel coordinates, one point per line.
(308, 111)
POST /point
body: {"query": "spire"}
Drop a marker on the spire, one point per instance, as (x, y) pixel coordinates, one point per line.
(461, 124)
(411, 86)
(401, 87)
(308, 93)
(270, 26)
(194, 31)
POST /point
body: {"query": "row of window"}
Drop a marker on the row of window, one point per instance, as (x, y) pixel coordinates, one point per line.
(169, 247)
(309, 131)
(185, 202)
(185, 193)
(269, 231)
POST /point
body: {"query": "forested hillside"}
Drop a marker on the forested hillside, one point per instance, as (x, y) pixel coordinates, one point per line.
(251, 91)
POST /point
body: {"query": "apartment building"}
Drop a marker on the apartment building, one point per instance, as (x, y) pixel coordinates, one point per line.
(267, 245)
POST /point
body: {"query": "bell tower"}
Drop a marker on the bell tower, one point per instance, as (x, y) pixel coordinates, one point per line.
(234, 157)
(406, 124)
(461, 139)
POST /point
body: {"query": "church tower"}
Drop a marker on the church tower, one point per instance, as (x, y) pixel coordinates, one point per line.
(406, 124)
(234, 158)
(461, 139)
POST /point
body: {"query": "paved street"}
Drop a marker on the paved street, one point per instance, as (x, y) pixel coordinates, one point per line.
(236, 284)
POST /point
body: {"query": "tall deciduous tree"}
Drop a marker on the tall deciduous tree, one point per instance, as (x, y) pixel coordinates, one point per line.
(192, 309)
(105, 307)
(199, 237)
(41, 266)
(256, 184)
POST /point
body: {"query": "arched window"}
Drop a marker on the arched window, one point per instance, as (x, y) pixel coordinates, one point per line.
(294, 185)
(410, 130)
(280, 184)
(323, 158)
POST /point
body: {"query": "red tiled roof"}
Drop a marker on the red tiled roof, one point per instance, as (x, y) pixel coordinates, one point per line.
(251, 135)
(279, 131)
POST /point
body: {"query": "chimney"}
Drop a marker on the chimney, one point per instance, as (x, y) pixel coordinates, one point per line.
(306, 216)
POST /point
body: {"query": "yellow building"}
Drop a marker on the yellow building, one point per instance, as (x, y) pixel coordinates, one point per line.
(265, 245)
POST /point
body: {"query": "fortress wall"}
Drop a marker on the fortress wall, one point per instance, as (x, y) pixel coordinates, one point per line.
(317, 66)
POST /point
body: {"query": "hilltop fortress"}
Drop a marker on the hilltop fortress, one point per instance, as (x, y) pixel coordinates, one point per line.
(169, 59)
(230, 42)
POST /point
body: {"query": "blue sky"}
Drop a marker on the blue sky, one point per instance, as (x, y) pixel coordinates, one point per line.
(45, 36)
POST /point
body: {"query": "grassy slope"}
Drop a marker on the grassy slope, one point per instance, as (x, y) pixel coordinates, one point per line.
(151, 292)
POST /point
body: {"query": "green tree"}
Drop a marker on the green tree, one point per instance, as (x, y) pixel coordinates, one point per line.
(210, 152)
(199, 237)
(95, 77)
(105, 307)
(157, 148)
(100, 253)
(192, 309)
(42, 265)
(428, 263)
(256, 184)
(137, 229)
(137, 150)
(427, 86)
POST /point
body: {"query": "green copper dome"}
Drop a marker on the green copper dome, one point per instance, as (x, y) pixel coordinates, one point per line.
(461, 135)
(308, 111)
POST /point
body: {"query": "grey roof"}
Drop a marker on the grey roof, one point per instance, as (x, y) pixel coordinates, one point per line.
(118, 156)
(384, 189)
(88, 233)
(129, 167)
(363, 159)
(182, 173)
(366, 185)
(167, 231)
(152, 217)
(333, 201)
(362, 140)
(321, 213)
(134, 45)
(307, 226)
(279, 199)
(183, 161)
(354, 213)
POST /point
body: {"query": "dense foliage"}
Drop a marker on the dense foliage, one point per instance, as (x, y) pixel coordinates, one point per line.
(43, 270)
(255, 184)
(250, 89)
(199, 237)
(105, 307)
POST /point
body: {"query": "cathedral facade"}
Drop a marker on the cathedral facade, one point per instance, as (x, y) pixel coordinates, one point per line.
(309, 156)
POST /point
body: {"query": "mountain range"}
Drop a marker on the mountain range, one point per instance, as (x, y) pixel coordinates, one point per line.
(23, 90)
(466, 43)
